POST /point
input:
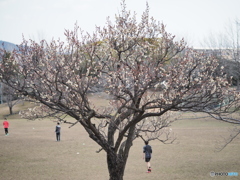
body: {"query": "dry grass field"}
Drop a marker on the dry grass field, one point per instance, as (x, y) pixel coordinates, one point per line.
(31, 152)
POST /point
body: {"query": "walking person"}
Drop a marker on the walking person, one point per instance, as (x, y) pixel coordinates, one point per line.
(147, 154)
(6, 126)
(58, 130)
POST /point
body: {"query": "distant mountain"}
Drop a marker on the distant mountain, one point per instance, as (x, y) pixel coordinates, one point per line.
(7, 46)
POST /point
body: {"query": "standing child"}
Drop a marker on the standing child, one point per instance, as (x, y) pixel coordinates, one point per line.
(147, 154)
(5, 126)
(58, 130)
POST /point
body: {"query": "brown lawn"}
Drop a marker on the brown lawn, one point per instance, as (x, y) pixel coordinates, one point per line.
(30, 152)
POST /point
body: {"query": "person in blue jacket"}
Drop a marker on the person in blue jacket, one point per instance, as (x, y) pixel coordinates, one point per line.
(147, 155)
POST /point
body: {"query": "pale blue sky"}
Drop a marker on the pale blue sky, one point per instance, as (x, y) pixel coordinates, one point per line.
(37, 19)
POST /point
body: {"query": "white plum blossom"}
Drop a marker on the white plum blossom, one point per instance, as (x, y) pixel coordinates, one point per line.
(144, 73)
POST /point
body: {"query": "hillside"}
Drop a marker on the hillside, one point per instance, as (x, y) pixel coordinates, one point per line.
(7, 46)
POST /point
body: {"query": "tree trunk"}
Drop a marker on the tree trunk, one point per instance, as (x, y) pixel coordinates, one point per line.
(116, 167)
(10, 110)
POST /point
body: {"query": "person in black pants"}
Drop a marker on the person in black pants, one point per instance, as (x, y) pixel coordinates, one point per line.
(5, 126)
(58, 130)
(147, 154)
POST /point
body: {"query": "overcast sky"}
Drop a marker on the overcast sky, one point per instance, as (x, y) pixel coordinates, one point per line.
(38, 19)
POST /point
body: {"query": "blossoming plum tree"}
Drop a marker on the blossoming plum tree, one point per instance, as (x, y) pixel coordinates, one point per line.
(146, 73)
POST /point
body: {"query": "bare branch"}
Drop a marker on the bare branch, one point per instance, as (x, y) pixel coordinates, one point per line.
(234, 133)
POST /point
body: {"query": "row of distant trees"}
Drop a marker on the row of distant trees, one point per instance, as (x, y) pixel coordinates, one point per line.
(226, 47)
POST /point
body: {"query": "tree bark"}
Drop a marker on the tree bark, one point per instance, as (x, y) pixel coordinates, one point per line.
(10, 110)
(116, 167)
